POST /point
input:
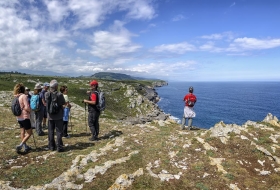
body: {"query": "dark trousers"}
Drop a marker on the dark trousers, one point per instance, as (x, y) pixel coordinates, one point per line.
(38, 123)
(65, 128)
(56, 125)
(93, 123)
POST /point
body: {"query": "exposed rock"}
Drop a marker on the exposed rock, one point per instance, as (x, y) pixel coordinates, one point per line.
(272, 120)
(233, 187)
(124, 180)
(270, 117)
(217, 162)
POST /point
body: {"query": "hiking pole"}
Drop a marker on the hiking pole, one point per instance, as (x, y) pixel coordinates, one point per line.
(85, 117)
(70, 121)
(34, 140)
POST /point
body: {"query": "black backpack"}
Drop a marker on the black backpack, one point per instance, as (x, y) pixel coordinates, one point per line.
(52, 106)
(16, 109)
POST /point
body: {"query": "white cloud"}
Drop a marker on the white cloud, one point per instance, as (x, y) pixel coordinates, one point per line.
(82, 50)
(122, 60)
(179, 48)
(113, 44)
(23, 47)
(241, 44)
(57, 9)
(210, 46)
(163, 69)
(178, 18)
(93, 13)
(8, 3)
(89, 13)
(219, 36)
(36, 38)
(138, 9)
(150, 26)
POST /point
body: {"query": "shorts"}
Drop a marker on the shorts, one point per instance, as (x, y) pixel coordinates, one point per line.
(26, 124)
(45, 112)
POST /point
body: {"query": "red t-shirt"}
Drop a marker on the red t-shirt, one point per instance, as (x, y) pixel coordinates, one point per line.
(191, 97)
(93, 97)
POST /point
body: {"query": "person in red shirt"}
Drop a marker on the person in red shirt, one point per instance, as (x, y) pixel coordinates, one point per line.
(190, 100)
(93, 112)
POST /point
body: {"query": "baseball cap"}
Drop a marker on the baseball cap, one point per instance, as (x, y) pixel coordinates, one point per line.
(46, 84)
(26, 88)
(94, 82)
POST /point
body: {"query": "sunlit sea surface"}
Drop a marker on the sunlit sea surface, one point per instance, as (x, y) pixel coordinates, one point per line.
(230, 102)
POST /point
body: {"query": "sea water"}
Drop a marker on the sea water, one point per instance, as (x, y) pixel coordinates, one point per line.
(230, 102)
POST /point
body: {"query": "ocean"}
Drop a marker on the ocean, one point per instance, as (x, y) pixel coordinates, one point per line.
(230, 102)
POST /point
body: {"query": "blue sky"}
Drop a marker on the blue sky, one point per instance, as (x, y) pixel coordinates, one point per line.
(179, 40)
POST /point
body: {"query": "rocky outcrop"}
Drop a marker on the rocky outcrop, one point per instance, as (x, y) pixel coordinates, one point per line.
(141, 102)
(159, 83)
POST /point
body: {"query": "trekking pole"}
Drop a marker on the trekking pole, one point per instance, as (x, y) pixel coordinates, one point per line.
(85, 117)
(34, 140)
(70, 121)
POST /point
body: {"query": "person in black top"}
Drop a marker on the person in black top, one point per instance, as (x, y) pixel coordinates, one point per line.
(93, 112)
(55, 120)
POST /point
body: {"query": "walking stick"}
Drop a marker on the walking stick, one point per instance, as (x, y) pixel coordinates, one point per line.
(34, 140)
(70, 121)
(85, 117)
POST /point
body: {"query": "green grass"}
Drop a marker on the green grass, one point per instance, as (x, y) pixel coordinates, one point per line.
(116, 102)
(153, 142)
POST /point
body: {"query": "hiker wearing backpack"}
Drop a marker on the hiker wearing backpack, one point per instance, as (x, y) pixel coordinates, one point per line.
(45, 116)
(36, 105)
(32, 114)
(190, 100)
(93, 111)
(67, 106)
(54, 105)
(23, 116)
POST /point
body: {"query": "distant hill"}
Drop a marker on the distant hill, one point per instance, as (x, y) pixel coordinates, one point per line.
(112, 76)
(118, 76)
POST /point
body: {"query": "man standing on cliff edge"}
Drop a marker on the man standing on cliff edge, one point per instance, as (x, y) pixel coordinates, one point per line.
(93, 112)
(190, 100)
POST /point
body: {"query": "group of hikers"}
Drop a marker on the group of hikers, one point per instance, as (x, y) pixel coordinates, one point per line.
(47, 103)
(54, 106)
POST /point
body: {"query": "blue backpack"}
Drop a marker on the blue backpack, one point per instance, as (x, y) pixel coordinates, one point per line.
(34, 103)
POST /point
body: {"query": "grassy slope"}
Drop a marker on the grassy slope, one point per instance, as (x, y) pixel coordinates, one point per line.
(167, 149)
(77, 90)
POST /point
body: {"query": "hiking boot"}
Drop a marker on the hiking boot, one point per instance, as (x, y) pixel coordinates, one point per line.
(18, 148)
(51, 148)
(41, 134)
(66, 136)
(27, 148)
(94, 139)
(60, 150)
(45, 126)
